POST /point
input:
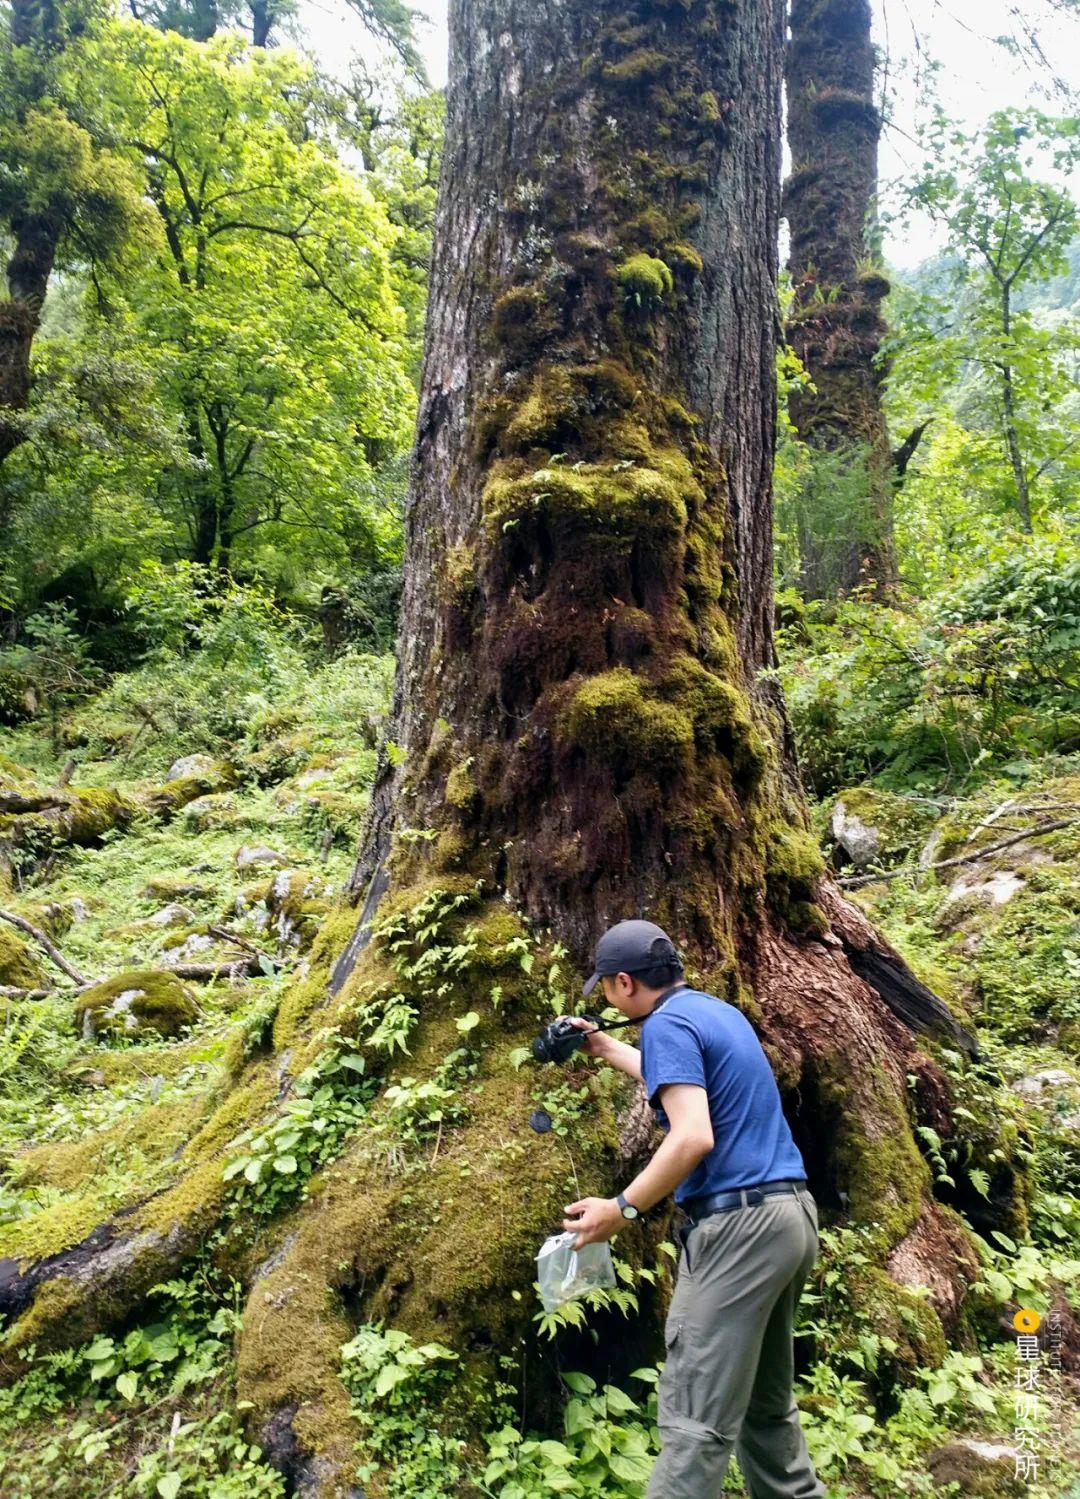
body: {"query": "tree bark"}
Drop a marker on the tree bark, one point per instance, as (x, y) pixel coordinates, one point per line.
(835, 326)
(1008, 416)
(580, 733)
(35, 232)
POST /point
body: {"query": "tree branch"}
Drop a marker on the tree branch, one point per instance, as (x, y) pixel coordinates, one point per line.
(47, 943)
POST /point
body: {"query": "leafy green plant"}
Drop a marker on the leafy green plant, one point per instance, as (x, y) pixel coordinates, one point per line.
(397, 1387)
(608, 1446)
(271, 1165)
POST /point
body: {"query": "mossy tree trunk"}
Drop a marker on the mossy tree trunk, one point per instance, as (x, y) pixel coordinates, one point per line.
(581, 732)
(835, 325)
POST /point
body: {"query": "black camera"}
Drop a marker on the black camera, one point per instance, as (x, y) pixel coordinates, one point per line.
(558, 1041)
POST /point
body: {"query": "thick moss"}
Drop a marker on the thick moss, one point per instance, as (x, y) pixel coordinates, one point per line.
(136, 1002)
(19, 966)
(644, 277)
(793, 866)
(617, 498)
(522, 318)
(615, 717)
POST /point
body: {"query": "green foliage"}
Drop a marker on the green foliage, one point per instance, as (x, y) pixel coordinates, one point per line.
(148, 1413)
(397, 1387)
(608, 1446)
(942, 691)
(271, 1165)
(1002, 448)
(244, 430)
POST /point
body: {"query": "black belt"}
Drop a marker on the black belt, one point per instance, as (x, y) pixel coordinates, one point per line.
(723, 1202)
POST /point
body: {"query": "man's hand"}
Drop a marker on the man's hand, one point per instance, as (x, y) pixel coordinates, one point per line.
(596, 1219)
(596, 1045)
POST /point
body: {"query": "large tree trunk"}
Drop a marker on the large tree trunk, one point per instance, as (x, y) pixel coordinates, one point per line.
(35, 232)
(835, 326)
(580, 734)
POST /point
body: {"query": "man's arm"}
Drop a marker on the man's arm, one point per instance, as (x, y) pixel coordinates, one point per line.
(606, 1049)
(689, 1141)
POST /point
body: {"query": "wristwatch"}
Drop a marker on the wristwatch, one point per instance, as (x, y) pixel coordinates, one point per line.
(627, 1209)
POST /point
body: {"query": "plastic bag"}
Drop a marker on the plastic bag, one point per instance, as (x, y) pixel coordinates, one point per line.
(564, 1273)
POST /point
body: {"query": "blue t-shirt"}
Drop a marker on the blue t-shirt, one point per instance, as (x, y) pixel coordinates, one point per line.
(697, 1038)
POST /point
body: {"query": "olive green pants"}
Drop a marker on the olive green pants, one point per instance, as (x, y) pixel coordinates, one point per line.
(729, 1368)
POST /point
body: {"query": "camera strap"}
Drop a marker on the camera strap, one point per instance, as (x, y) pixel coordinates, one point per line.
(661, 1000)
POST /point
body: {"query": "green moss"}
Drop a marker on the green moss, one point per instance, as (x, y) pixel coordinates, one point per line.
(683, 257)
(304, 995)
(873, 1154)
(459, 576)
(461, 788)
(546, 412)
(136, 1002)
(19, 967)
(614, 716)
(641, 66)
(793, 866)
(619, 498)
(645, 278)
(709, 107)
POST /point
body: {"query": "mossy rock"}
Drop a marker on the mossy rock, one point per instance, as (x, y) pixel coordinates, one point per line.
(169, 887)
(297, 901)
(985, 1470)
(19, 967)
(141, 1001)
(217, 811)
(18, 697)
(902, 824)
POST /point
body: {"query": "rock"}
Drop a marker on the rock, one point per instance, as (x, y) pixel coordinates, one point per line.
(171, 915)
(135, 1003)
(250, 855)
(1049, 1079)
(19, 964)
(171, 887)
(219, 810)
(898, 825)
(196, 944)
(861, 843)
(993, 889)
(79, 909)
(986, 1470)
(297, 900)
(200, 767)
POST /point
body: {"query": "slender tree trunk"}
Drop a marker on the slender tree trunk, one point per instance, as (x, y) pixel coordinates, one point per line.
(1008, 413)
(580, 734)
(835, 326)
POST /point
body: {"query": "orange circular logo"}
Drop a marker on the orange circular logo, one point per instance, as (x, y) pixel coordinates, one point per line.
(1026, 1320)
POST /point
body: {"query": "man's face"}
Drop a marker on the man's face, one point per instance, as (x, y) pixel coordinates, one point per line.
(620, 991)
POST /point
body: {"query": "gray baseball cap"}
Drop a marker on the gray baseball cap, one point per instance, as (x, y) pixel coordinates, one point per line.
(630, 947)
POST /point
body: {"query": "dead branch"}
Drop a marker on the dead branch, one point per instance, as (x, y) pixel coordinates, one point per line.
(852, 881)
(48, 944)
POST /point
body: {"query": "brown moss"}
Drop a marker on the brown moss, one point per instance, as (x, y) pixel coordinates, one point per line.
(522, 318)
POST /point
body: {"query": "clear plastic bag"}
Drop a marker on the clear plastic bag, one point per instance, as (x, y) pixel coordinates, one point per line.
(564, 1273)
